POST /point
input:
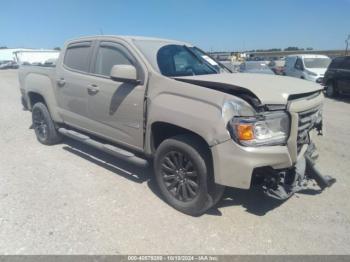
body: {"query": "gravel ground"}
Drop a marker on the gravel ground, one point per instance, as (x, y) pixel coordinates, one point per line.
(71, 199)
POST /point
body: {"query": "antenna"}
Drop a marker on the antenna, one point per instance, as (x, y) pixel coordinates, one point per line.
(101, 31)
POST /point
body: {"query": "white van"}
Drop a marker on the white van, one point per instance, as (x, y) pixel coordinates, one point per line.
(309, 67)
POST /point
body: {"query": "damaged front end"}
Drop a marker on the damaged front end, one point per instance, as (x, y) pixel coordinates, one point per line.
(283, 183)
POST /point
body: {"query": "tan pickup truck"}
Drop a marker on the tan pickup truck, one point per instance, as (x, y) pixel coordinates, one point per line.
(168, 102)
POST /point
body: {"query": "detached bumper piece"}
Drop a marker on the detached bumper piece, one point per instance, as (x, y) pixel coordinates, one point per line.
(283, 183)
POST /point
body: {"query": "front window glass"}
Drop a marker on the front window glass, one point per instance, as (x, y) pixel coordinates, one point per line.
(316, 62)
(107, 57)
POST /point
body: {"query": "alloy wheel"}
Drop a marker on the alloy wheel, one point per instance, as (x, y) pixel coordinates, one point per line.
(40, 125)
(180, 176)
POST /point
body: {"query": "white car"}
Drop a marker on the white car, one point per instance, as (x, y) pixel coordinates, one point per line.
(309, 67)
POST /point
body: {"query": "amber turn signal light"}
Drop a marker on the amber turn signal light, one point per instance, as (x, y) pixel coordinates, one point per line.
(245, 131)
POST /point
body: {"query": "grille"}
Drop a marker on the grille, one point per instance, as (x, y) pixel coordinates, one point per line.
(307, 121)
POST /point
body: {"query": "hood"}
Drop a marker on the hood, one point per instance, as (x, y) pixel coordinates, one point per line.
(318, 71)
(269, 89)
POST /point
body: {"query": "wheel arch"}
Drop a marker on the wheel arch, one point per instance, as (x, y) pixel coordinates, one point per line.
(35, 97)
(164, 130)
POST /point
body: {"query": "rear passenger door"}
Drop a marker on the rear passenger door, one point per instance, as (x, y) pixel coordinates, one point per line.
(72, 80)
(116, 108)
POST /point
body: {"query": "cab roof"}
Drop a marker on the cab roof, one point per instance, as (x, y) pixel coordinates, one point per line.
(126, 38)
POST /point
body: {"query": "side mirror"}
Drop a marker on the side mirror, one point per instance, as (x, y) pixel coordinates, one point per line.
(124, 73)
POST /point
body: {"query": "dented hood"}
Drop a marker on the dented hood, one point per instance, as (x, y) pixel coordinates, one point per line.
(269, 89)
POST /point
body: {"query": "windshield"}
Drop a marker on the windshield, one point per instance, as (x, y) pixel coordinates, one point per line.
(181, 60)
(172, 58)
(317, 62)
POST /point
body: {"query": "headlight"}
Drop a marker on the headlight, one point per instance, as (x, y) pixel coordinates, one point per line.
(236, 107)
(266, 129)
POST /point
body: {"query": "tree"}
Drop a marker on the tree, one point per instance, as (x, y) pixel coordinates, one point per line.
(295, 48)
(275, 49)
(291, 48)
(57, 48)
(3, 47)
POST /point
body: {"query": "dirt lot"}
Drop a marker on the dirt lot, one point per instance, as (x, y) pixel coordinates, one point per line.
(71, 199)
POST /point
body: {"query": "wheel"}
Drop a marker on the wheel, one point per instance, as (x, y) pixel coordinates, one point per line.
(330, 90)
(43, 125)
(183, 173)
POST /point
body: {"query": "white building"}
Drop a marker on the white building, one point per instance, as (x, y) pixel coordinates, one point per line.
(8, 54)
(36, 56)
(30, 56)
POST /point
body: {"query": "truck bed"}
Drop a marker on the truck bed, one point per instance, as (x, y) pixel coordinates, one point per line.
(27, 70)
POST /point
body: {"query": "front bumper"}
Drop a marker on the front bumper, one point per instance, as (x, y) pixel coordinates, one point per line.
(234, 164)
(269, 168)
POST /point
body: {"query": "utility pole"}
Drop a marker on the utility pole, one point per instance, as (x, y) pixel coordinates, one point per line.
(347, 45)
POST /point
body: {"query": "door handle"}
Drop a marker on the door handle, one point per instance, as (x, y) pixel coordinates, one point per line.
(93, 89)
(60, 82)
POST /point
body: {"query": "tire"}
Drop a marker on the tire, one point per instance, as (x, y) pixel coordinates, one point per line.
(184, 175)
(330, 90)
(43, 125)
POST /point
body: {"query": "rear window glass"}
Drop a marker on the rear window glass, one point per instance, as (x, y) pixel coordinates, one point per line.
(78, 56)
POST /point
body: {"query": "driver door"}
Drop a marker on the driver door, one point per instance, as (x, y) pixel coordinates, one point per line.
(116, 108)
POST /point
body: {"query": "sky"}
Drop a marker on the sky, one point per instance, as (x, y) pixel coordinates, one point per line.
(221, 25)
